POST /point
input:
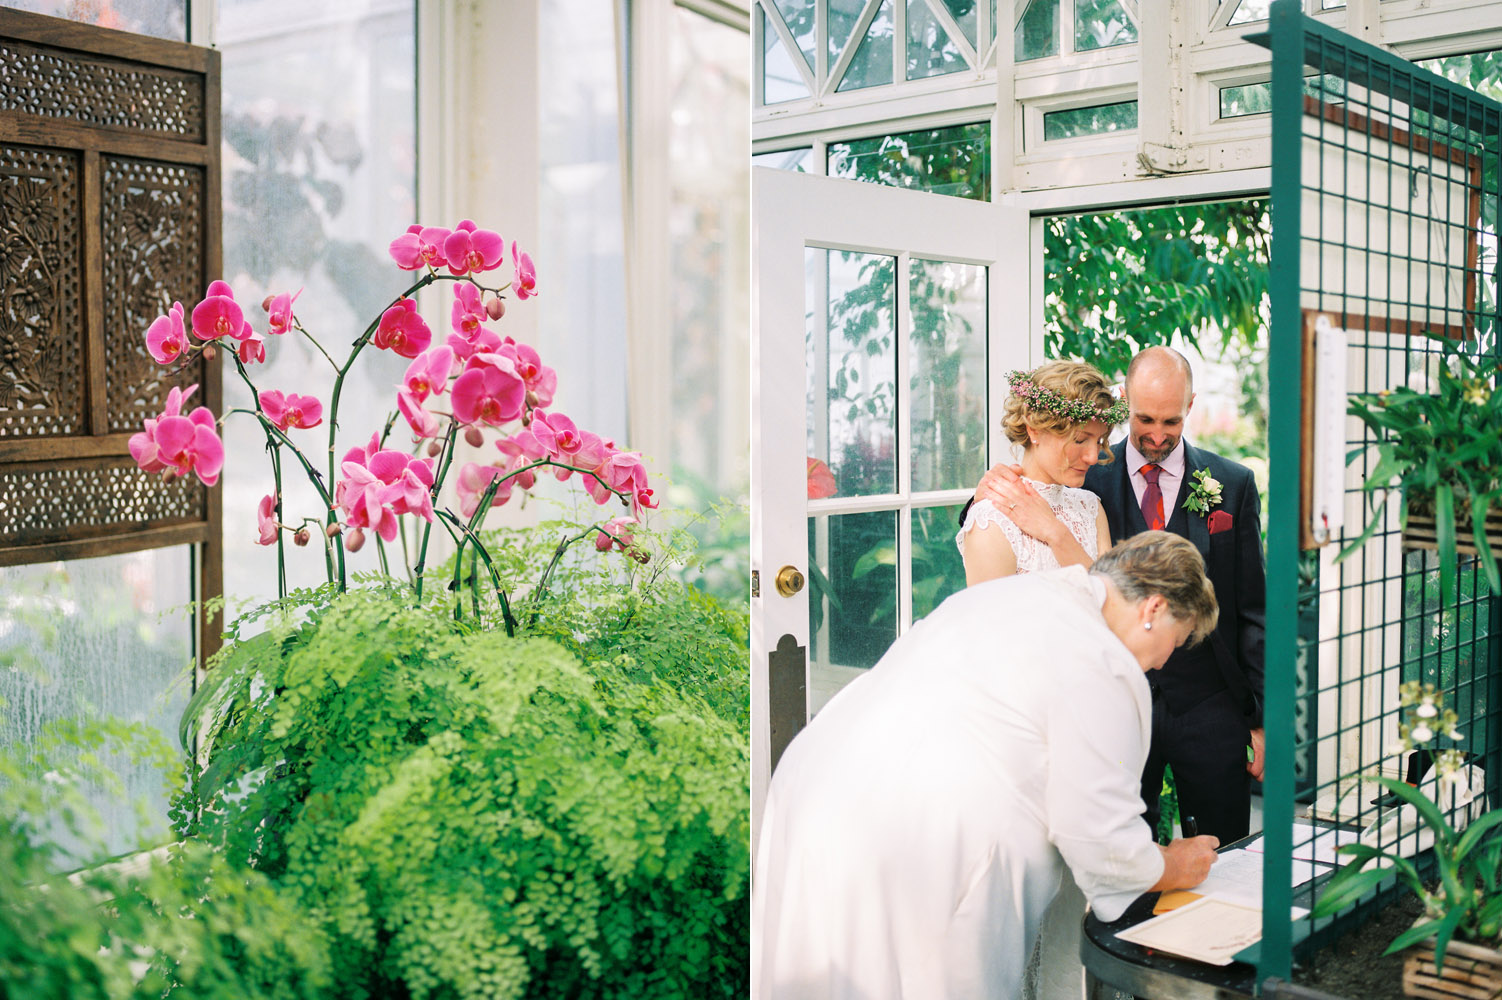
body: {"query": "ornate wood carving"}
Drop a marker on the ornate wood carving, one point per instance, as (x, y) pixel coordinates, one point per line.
(109, 212)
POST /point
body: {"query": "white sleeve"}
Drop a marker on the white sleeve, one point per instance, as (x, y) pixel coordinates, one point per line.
(1093, 796)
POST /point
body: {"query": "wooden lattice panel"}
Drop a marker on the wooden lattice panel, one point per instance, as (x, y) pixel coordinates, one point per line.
(112, 93)
(41, 388)
(109, 212)
(153, 243)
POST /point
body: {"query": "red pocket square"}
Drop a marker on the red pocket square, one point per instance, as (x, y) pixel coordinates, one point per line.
(1219, 521)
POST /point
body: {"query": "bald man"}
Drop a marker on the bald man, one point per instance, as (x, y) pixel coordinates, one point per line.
(1207, 701)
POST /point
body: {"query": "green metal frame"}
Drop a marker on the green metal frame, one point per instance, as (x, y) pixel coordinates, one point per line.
(1454, 645)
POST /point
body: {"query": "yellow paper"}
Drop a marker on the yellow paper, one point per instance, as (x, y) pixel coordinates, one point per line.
(1173, 899)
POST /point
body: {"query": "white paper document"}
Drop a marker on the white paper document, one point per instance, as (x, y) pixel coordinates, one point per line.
(1237, 877)
(1312, 843)
(1207, 930)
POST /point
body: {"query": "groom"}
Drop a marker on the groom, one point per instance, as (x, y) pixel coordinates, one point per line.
(1207, 701)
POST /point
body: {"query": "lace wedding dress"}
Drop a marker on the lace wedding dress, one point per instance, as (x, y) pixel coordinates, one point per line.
(1054, 972)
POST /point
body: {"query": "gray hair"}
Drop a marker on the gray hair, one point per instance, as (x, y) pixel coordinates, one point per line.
(1158, 562)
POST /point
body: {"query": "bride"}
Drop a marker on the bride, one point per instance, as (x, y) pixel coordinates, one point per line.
(1060, 414)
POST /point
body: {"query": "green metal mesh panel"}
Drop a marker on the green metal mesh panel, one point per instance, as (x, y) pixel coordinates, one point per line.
(1384, 201)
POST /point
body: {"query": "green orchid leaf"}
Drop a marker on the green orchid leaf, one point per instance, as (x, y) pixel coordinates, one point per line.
(1346, 887)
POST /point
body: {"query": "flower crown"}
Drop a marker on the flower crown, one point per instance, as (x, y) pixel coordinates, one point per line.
(1075, 410)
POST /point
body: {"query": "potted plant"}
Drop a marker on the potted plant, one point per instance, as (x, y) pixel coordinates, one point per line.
(1442, 451)
(1462, 920)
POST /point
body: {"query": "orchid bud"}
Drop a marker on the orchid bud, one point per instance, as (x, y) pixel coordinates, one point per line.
(434, 448)
(266, 302)
(334, 530)
(473, 436)
(209, 353)
(494, 307)
(354, 540)
(532, 399)
(639, 556)
(300, 537)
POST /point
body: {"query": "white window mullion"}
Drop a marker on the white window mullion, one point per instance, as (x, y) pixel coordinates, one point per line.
(758, 56)
(904, 443)
(821, 45)
(899, 41)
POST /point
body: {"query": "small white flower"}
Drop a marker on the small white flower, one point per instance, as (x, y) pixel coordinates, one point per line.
(1421, 734)
(1426, 710)
(1454, 734)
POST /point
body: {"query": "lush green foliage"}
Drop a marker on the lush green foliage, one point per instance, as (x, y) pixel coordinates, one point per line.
(184, 925)
(1442, 450)
(464, 814)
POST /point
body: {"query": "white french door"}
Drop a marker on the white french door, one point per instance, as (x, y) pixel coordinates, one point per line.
(883, 322)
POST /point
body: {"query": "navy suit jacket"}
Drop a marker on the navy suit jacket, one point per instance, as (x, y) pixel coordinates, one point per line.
(1233, 655)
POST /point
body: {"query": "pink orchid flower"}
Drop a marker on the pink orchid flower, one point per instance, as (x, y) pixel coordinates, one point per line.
(251, 350)
(266, 520)
(468, 314)
(472, 482)
(524, 477)
(470, 249)
(525, 444)
(489, 391)
(541, 380)
(290, 411)
(484, 342)
(563, 436)
(821, 482)
(166, 337)
(419, 246)
(380, 485)
(219, 315)
(429, 372)
(279, 312)
(424, 424)
(403, 330)
(173, 443)
(616, 532)
(524, 280)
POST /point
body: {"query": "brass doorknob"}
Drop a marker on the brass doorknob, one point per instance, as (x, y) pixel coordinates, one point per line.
(789, 581)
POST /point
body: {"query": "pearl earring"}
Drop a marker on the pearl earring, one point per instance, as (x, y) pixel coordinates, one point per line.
(1148, 626)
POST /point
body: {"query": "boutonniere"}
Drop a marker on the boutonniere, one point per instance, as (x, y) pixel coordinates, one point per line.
(1204, 494)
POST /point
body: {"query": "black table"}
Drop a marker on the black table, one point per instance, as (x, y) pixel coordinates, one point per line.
(1113, 964)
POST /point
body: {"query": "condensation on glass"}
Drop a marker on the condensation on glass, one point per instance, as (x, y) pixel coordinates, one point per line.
(319, 175)
(96, 639)
(158, 18)
(955, 160)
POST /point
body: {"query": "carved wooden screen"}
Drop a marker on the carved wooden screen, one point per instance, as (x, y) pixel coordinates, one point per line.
(109, 212)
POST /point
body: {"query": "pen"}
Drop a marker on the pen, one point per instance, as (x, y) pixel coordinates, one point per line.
(1191, 828)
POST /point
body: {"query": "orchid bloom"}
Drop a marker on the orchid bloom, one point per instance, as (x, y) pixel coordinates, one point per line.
(428, 374)
(489, 391)
(166, 337)
(173, 443)
(419, 246)
(541, 380)
(615, 532)
(292, 410)
(468, 314)
(471, 249)
(266, 520)
(424, 424)
(473, 480)
(251, 350)
(380, 485)
(279, 312)
(524, 279)
(484, 342)
(403, 330)
(219, 315)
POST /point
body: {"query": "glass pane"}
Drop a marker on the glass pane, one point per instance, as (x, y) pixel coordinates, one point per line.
(1096, 120)
(872, 65)
(947, 372)
(938, 570)
(1037, 34)
(852, 599)
(1249, 99)
(798, 15)
(842, 17)
(95, 639)
(780, 79)
(710, 226)
(852, 368)
(319, 172)
(966, 16)
(991, 31)
(1251, 10)
(954, 161)
(158, 18)
(1333, 4)
(1099, 24)
(930, 50)
(799, 161)
(582, 334)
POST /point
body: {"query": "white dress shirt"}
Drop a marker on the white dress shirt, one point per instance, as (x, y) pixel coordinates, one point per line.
(1169, 479)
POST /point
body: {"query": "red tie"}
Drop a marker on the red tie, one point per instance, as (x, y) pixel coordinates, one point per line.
(1152, 498)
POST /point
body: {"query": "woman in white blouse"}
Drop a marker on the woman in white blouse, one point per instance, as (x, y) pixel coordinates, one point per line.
(1059, 415)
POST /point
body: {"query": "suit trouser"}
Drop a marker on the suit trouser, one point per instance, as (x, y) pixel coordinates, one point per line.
(1206, 747)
